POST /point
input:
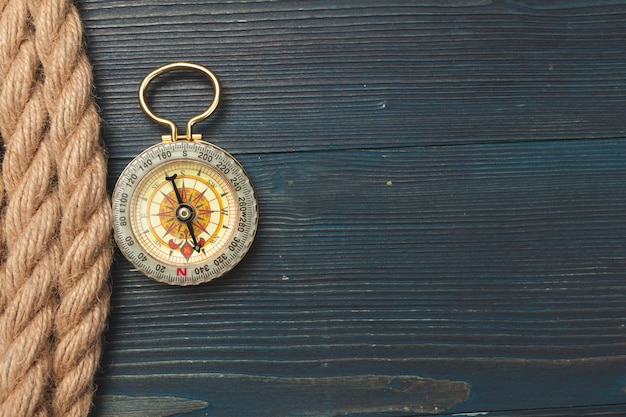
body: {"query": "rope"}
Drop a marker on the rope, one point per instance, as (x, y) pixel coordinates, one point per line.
(56, 220)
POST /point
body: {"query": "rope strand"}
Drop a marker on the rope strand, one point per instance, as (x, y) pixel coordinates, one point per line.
(30, 228)
(55, 229)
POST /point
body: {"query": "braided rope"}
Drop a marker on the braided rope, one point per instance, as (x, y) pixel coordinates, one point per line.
(55, 233)
(30, 223)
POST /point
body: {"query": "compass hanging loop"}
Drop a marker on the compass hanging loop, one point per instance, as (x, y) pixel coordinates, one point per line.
(173, 137)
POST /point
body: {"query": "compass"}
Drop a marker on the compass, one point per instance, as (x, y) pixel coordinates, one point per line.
(184, 210)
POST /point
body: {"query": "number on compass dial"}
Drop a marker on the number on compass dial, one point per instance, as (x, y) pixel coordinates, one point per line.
(184, 220)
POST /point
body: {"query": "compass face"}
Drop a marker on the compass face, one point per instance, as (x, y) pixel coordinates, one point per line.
(185, 212)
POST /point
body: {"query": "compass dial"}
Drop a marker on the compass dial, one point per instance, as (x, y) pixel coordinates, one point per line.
(185, 212)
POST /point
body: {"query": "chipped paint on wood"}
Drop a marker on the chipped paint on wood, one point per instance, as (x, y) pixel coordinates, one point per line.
(319, 397)
(153, 406)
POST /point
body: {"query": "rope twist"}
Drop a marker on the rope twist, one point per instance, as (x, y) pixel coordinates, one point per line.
(55, 226)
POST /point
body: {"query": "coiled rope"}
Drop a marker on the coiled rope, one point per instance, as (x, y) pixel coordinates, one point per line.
(55, 247)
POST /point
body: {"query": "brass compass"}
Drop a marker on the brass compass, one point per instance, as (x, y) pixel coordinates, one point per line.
(184, 210)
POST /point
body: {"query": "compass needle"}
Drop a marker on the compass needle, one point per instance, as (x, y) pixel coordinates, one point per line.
(196, 246)
(172, 179)
(200, 221)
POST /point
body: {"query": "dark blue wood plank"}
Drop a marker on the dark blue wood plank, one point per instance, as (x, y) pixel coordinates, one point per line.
(441, 192)
(273, 396)
(497, 265)
(319, 75)
(592, 411)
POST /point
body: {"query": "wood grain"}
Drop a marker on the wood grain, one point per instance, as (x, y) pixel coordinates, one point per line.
(315, 75)
(441, 194)
(362, 394)
(452, 259)
(129, 406)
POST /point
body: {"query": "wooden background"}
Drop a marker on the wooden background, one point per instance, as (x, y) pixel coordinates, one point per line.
(442, 202)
